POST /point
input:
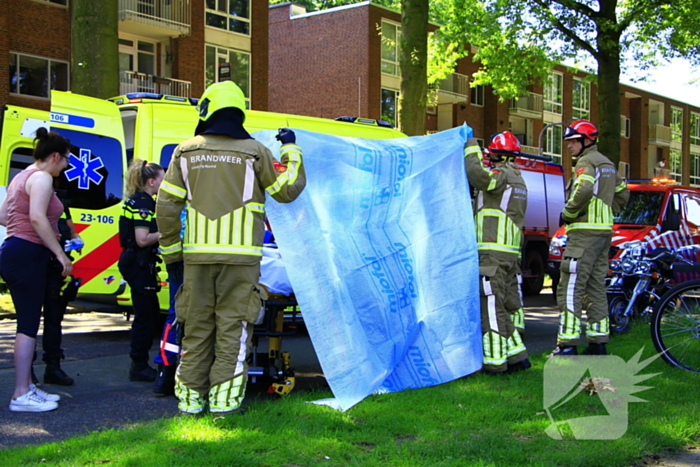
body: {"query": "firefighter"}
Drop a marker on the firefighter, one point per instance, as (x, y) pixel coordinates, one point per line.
(138, 235)
(222, 176)
(500, 204)
(594, 194)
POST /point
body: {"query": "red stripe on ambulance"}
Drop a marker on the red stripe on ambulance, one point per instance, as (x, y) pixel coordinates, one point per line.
(99, 259)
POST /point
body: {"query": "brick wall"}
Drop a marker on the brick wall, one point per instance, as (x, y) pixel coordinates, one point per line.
(320, 64)
(188, 52)
(32, 28)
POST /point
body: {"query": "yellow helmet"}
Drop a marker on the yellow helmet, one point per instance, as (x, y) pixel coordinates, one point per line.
(219, 96)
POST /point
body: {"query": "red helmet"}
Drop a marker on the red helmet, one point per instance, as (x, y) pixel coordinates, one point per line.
(504, 144)
(580, 129)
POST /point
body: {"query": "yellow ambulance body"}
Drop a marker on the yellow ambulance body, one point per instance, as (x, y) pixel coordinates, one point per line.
(106, 135)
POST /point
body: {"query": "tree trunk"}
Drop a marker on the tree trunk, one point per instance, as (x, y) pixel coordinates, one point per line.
(414, 66)
(609, 94)
(95, 48)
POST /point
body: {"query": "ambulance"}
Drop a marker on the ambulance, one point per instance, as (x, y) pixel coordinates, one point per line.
(106, 135)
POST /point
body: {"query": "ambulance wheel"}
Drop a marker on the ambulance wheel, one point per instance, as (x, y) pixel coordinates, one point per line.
(534, 266)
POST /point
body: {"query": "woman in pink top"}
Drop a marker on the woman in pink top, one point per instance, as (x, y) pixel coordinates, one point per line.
(30, 212)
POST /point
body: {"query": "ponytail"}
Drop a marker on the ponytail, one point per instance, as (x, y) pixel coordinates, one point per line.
(140, 171)
(48, 142)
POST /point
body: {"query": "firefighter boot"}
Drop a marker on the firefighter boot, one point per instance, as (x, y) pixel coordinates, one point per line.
(595, 349)
(165, 381)
(141, 371)
(519, 366)
(53, 374)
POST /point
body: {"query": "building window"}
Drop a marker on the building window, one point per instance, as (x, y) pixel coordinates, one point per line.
(676, 124)
(238, 69)
(391, 36)
(137, 55)
(581, 99)
(695, 129)
(390, 106)
(477, 95)
(553, 93)
(625, 126)
(553, 143)
(231, 15)
(675, 164)
(57, 2)
(695, 169)
(36, 76)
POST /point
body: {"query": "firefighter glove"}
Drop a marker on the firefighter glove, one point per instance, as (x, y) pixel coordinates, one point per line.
(564, 220)
(286, 136)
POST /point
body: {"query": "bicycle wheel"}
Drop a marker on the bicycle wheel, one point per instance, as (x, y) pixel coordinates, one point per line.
(675, 326)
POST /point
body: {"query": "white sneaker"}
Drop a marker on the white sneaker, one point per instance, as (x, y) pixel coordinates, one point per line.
(45, 395)
(32, 402)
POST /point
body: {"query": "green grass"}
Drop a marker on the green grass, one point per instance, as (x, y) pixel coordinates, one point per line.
(475, 421)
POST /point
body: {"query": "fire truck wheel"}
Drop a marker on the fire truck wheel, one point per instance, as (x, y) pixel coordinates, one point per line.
(533, 273)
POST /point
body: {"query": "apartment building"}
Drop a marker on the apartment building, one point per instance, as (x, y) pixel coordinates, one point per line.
(345, 61)
(175, 47)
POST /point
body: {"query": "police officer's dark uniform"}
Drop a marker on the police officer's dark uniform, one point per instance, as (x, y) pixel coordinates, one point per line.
(138, 267)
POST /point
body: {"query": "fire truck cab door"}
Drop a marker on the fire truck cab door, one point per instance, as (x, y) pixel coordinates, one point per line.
(93, 183)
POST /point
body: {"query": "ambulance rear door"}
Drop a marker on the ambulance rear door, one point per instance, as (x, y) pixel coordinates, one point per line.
(94, 182)
(169, 125)
(17, 132)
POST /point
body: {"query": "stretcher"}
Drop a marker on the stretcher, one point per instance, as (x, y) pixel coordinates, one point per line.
(280, 317)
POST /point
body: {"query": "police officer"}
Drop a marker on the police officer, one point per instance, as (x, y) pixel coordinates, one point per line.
(500, 204)
(595, 193)
(138, 235)
(222, 175)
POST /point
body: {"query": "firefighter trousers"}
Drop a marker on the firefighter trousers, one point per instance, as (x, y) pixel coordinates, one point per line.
(583, 271)
(218, 304)
(500, 305)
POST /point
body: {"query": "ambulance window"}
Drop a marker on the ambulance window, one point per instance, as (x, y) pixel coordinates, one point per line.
(21, 159)
(129, 125)
(166, 154)
(94, 178)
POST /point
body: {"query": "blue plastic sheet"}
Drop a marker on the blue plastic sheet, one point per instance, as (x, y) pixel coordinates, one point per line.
(381, 252)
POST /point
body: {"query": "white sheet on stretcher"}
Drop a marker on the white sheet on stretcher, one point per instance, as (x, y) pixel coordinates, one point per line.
(273, 275)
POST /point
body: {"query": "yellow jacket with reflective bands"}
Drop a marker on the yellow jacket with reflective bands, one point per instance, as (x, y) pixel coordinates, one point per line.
(500, 204)
(222, 181)
(595, 194)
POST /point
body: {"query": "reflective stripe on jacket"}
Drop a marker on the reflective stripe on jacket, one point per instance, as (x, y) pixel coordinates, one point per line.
(598, 193)
(223, 182)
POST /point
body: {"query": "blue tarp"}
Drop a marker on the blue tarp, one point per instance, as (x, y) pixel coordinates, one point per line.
(381, 253)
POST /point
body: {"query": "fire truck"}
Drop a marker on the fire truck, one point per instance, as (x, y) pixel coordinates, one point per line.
(106, 135)
(659, 212)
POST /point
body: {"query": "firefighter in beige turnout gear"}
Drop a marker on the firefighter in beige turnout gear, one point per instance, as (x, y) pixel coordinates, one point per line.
(500, 205)
(595, 193)
(222, 176)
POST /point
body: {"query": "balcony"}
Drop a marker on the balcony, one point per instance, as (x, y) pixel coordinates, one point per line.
(452, 90)
(659, 135)
(529, 149)
(529, 106)
(156, 19)
(131, 81)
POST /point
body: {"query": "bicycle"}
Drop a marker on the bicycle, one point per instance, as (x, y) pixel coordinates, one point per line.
(675, 322)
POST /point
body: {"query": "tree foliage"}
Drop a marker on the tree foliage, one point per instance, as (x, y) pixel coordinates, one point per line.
(519, 40)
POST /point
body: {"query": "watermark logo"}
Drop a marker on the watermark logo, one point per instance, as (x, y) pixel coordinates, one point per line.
(607, 378)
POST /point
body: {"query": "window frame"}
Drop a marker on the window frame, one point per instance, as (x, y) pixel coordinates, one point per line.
(229, 17)
(557, 106)
(54, 3)
(581, 104)
(218, 54)
(396, 93)
(695, 128)
(477, 95)
(384, 43)
(675, 164)
(676, 124)
(549, 149)
(695, 169)
(49, 64)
